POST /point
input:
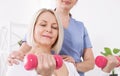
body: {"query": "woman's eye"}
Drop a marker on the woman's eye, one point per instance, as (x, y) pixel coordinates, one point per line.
(42, 24)
(54, 27)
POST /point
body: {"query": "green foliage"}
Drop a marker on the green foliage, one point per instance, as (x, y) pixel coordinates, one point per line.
(115, 50)
(108, 51)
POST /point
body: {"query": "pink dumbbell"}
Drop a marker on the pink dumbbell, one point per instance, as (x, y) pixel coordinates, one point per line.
(101, 61)
(32, 62)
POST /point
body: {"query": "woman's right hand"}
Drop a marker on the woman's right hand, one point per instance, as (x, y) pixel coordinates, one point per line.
(14, 57)
(46, 64)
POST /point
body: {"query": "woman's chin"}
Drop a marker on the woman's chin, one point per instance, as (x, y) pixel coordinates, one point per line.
(47, 43)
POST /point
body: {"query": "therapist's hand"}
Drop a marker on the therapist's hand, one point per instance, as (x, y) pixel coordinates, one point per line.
(14, 57)
(68, 58)
(46, 64)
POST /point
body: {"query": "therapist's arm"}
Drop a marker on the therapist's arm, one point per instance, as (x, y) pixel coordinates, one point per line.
(19, 54)
(88, 61)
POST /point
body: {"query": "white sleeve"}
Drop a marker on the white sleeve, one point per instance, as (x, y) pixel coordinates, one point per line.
(18, 70)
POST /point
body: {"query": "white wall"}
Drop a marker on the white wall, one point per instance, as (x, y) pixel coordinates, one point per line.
(101, 17)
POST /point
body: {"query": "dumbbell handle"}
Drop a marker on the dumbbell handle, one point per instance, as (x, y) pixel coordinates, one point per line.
(101, 61)
(31, 61)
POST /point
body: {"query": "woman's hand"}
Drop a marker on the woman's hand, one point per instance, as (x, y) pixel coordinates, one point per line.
(46, 64)
(111, 64)
(68, 58)
(14, 57)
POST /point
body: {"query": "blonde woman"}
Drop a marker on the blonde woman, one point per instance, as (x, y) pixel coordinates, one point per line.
(44, 35)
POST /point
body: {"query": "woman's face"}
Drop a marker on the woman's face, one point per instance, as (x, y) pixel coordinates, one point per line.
(66, 4)
(46, 29)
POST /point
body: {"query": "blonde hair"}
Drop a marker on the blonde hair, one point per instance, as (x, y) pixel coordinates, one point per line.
(30, 37)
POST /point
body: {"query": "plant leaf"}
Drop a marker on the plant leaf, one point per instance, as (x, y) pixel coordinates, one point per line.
(115, 50)
(108, 51)
(105, 54)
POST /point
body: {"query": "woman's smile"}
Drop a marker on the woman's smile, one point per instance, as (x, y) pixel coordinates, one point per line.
(47, 36)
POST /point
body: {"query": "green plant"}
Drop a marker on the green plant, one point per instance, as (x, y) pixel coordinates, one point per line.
(109, 51)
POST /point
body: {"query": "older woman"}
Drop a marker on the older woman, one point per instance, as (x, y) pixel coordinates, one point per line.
(45, 35)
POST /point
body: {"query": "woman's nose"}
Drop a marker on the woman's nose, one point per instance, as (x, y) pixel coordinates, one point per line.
(49, 29)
